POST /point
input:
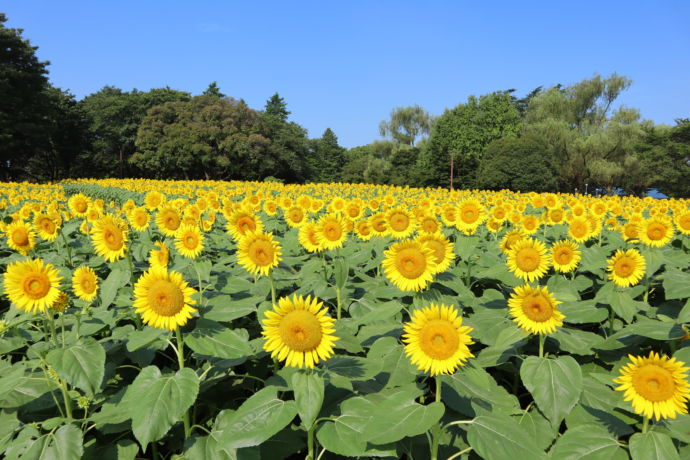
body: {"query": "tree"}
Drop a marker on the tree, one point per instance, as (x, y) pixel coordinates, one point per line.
(460, 135)
(520, 164)
(664, 153)
(24, 102)
(213, 90)
(114, 117)
(592, 142)
(406, 124)
(327, 158)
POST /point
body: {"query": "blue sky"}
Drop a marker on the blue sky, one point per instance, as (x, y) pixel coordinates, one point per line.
(345, 65)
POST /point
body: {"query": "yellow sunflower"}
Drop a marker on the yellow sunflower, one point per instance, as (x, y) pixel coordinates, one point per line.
(78, 204)
(436, 341)
(528, 259)
(258, 253)
(109, 237)
(409, 265)
(139, 219)
(168, 220)
(401, 223)
(530, 224)
(579, 229)
(630, 231)
(307, 237)
(299, 331)
(163, 299)
(32, 285)
(379, 224)
(85, 283)
(534, 309)
(565, 256)
(189, 241)
(295, 216)
(656, 232)
(46, 227)
(443, 250)
(20, 237)
(330, 231)
(470, 214)
(429, 225)
(656, 385)
(511, 238)
(242, 222)
(154, 199)
(682, 221)
(362, 229)
(626, 267)
(159, 257)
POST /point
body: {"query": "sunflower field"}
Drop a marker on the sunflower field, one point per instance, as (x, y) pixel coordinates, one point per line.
(247, 320)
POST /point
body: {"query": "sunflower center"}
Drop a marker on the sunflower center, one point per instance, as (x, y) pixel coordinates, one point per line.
(624, 267)
(296, 215)
(300, 330)
(654, 383)
(36, 285)
(469, 216)
(332, 231)
(20, 237)
(537, 307)
(438, 339)
(112, 238)
(87, 285)
(438, 248)
(190, 241)
(564, 255)
(399, 222)
(684, 222)
(528, 259)
(172, 222)
(578, 229)
(80, 206)
(246, 225)
(656, 231)
(353, 211)
(410, 263)
(48, 226)
(165, 298)
(261, 253)
(429, 225)
(379, 225)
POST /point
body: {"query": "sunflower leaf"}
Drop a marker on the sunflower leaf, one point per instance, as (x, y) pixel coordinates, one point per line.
(555, 385)
(81, 365)
(211, 339)
(116, 279)
(587, 442)
(652, 446)
(308, 388)
(499, 437)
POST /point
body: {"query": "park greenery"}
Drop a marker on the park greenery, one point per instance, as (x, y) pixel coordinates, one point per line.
(572, 137)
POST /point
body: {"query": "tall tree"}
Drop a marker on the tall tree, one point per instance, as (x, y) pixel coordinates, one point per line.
(406, 124)
(327, 158)
(213, 90)
(459, 137)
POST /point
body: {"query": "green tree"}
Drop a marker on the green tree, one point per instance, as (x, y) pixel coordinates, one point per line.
(114, 117)
(520, 164)
(406, 124)
(460, 135)
(213, 90)
(664, 153)
(327, 158)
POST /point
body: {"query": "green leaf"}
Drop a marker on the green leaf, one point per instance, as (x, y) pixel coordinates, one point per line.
(539, 427)
(582, 312)
(116, 279)
(654, 329)
(505, 346)
(341, 271)
(623, 305)
(555, 384)
(66, 444)
(587, 442)
(257, 419)
(499, 437)
(471, 383)
(652, 446)
(308, 387)
(143, 338)
(81, 365)
(576, 341)
(224, 308)
(212, 339)
(156, 402)
(676, 284)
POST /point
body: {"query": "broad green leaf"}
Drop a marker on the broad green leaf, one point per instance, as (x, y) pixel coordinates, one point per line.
(505, 346)
(144, 337)
(684, 315)
(256, 420)
(224, 308)
(308, 387)
(213, 339)
(66, 444)
(576, 341)
(582, 312)
(538, 426)
(676, 284)
(473, 383)
(396, 369)
(156, 402)
(652, 446)
(555, 384)
(341, 271)
(623, 305)
(17, 387)
(115, 280)
(587, 442)
(655, 329)
(81, 365)
(499, 437)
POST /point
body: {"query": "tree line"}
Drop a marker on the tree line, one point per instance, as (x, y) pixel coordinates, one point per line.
(562, 138)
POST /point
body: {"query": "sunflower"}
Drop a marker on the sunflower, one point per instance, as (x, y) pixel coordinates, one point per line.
(258, 253)
(46, 226)
(109, 237)
(242, 222)
(139, 218)
(429, 225)
(579, 229)
(307, 237)
(509, 239)
(154, 199)
(163, 299)
(32, 285)
(299, 331)
(168, 220)
(534, 309)
(626, 267)
(443, 251)
(295, 216)
(630, 231)
(85, 283)
(61, 303)
(682, 221)
(656, 232)
(530, 224)
(409, 265)
(362, 229)
(331, 232)
(528, 259)
(20, 237)
(470, 214)
(436, 341)
(159, 257)
(656, 385)
(401, 223)
(565, 256)
(189, 241)
(379, 224)
(78, 204)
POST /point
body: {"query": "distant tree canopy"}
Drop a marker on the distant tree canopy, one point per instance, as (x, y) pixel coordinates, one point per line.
(406, 124)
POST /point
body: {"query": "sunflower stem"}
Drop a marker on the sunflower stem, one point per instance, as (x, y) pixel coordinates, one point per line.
(645, 424)
(338, 299)
(180, 360)
(542, 339)
(66, 399)
(310, 443)
(646, 291)
(273, 288)
(436, 435)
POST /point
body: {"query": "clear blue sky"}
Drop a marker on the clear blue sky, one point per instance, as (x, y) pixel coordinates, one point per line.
(345, 65)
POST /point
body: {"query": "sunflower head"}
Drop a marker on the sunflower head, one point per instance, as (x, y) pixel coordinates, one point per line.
(528, 259)
(565, 256)
(656, 231)
(168, 220)
(511, 238)
(307, 237)
(189, 241)
(163, 299)
(258, 253)
(535, 310)
(401, 223)
(331, 231)
(656, 385)
(409, 265)
(299, 331)
(242, 222)
(435, 339)
(46, 226)
(159, 257)
(442, 249)
(626, 268)
(20, 237)
(32, 285)
(85, 283)
(109, 236)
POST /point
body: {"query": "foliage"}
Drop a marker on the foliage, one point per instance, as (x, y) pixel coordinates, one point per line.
(326, 158)
(664, 153)
(518, 163)
(406, 124)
